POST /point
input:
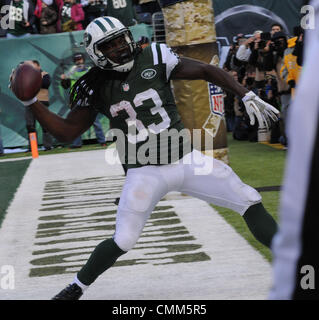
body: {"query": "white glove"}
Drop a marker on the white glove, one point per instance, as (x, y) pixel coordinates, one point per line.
(259, 108)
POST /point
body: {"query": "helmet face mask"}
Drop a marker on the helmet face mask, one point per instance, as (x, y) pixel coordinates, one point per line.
(118, 49)
(110, 44)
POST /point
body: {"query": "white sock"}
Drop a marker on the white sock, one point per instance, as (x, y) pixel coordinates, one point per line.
(79, 283)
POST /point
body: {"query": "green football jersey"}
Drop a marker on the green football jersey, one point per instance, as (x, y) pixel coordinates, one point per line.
(143, 107)
(122, 10)
(16, 14)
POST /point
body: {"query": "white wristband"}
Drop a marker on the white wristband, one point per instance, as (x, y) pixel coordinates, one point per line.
(29, 102)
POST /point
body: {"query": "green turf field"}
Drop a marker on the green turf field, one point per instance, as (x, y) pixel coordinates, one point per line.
(259, 166)
(60, 149)
(11, 174)
(256, 164)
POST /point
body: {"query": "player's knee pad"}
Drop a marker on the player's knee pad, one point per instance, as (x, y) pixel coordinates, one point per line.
(126, 241)
(244, 191)
(221, 170)
(140, 193)
(128, 229)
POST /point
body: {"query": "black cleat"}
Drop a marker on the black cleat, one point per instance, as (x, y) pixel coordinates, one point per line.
(71, 292)
(117, 201)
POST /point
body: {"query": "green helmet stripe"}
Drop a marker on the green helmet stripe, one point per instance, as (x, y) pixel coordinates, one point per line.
(109, 21)
(100, 25)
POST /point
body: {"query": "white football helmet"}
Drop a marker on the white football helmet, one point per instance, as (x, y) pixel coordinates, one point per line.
(103, 30)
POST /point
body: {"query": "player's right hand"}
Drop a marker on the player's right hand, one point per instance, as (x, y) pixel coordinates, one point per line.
(264, 112)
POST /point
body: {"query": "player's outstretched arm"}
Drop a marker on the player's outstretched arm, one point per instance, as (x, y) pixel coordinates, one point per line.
(64, 129)
(190, 69)
(25, 82)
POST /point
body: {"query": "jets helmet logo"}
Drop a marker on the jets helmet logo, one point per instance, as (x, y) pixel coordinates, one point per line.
(87, 38)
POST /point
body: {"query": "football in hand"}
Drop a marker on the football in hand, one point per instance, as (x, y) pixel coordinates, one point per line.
(26, 81)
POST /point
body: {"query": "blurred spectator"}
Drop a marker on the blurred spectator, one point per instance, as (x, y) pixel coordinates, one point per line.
(229, 103)
(122, 10)
(261, 56)
(271, 65)
(240, 126)
(232, 63)
(21, 12)
(290, 69)
(271, 90)
(242, 129)
(279, 43)
(274, 91)
(47, 12)
(42, 96)
(144, 42)
(267, 49)
(93, 9)
(57, 4)
(298, 51)
(270, 94)
(276, 27)
(288, 72)
(150, 6)
(67, 81)
(244, 51)
(72, 15)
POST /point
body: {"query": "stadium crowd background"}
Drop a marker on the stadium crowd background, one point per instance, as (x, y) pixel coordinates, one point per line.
(267, 62)
(52, 16)
(37, 17)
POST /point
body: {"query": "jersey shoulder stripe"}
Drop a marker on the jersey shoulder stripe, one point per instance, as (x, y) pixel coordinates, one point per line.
(154, 52)
(163, 55)
(164, 52)
(170, 59)
(157, 54)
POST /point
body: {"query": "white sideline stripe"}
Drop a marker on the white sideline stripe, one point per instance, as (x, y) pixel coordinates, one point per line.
(235, 271)
(15, 159)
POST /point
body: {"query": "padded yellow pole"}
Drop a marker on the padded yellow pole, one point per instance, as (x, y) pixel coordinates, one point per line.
(190, 31)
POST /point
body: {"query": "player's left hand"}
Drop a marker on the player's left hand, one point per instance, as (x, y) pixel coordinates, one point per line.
(264, 112)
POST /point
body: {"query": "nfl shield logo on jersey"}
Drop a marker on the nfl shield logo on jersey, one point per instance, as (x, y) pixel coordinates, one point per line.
(125, 87)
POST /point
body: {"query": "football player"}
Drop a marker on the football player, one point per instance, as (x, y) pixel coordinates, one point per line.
(131, 86)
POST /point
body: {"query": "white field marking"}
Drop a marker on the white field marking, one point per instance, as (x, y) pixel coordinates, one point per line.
(15, 159)
(235, 270)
